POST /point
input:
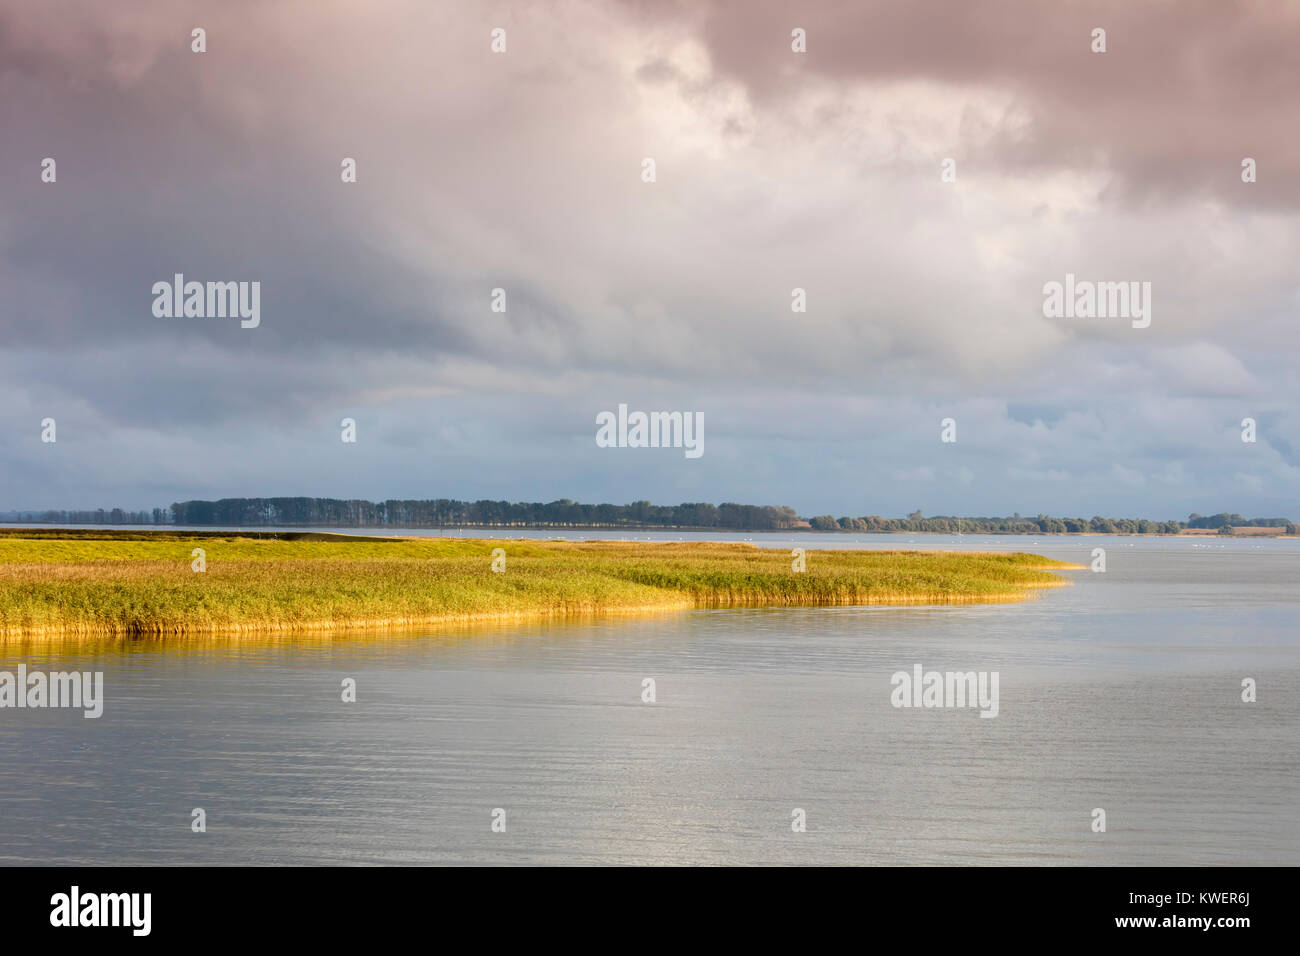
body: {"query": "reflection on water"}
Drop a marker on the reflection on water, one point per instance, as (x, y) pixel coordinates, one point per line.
(1122, 692)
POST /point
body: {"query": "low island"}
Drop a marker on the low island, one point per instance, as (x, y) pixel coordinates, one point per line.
(156, 583)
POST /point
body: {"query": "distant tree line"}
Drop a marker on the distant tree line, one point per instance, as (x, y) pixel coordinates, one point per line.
(450, 513)
(447, 513)
(98, 516)
(1043, 524)
(1226, 520)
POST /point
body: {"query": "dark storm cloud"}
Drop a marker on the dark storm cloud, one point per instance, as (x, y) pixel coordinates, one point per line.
(1183, 92)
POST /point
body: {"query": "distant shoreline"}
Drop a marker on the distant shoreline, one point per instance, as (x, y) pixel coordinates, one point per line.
(395, 531)
(442, 514)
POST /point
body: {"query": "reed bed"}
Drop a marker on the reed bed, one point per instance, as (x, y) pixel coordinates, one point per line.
(106, 584)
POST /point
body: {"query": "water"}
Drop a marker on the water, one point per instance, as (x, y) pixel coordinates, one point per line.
(1122, 693)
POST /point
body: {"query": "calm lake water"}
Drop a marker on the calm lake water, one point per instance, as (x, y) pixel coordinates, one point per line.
(1122, 692)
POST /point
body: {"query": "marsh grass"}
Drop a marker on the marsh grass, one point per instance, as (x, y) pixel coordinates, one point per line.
(140, 584)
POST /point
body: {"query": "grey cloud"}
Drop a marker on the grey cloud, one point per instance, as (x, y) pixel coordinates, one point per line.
(523, 172)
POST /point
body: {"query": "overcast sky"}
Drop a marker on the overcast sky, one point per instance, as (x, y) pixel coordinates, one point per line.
(774, 170)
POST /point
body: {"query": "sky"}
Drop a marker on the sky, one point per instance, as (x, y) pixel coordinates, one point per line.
(774, 170)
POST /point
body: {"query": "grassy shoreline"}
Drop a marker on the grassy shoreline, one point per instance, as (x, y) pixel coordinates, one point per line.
(138, 584)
